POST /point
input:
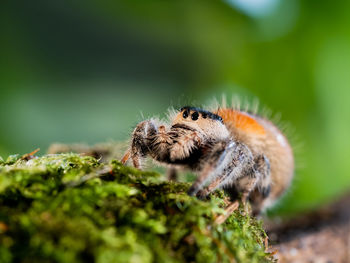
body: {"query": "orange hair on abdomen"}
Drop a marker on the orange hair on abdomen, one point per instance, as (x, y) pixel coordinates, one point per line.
(241, 120)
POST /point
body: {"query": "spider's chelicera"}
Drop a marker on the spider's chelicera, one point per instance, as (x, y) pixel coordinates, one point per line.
(242, 153)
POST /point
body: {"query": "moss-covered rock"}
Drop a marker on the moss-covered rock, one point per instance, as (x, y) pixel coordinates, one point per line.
(72, 208)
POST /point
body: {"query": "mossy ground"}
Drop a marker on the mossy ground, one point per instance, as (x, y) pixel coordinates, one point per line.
(72, 208)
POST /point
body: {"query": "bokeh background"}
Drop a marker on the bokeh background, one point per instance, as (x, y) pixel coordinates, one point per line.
(86, 71)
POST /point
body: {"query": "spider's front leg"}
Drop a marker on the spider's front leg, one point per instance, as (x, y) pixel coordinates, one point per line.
(226, 162)
(256, 177)
(231, 165)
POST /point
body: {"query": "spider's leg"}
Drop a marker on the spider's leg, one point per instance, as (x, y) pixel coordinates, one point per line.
(212, 163)
(244, 186)
(262, 166)
(225, 163)
(172, 174)
(252, 177)
(260, 196)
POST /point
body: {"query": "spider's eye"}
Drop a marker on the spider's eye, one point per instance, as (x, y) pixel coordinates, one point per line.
(204, 115)
(195, 116)
(185, 114)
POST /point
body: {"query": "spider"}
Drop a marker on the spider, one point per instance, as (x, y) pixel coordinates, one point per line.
(240, 152)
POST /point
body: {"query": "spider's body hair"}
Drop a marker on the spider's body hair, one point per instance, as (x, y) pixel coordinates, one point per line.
(229, 148)
(263, 132)
(262, 137)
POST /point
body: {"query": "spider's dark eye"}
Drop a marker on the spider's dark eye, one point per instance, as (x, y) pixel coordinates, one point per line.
(195, 116)
(204, 115)
(185, 114)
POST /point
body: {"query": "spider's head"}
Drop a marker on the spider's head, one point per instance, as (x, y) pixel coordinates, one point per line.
(202, 120)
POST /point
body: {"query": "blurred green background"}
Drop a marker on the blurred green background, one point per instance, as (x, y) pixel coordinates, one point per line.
(86, 71)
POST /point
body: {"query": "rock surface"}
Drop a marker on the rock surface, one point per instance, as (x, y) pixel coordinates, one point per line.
(319, 236)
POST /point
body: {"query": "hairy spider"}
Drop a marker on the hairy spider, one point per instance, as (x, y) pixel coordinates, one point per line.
(240, 152)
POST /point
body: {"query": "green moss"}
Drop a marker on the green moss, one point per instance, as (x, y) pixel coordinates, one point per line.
(70, 208)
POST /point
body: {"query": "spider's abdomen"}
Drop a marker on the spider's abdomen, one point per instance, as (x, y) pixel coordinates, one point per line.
(263, 138)
(241, 121)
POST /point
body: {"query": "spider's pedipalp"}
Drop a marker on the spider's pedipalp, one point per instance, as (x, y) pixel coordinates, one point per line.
(140, 141)
(172, 145)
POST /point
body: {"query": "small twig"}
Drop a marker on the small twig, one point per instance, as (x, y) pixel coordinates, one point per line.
(96, 174)
(30, 155)
(228, 211)
(266, 243)
(126, 157)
